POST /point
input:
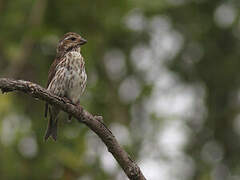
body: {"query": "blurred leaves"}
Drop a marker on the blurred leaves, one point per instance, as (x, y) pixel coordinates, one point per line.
(164, 74)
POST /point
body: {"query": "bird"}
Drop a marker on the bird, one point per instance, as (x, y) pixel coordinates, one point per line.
(67, 77)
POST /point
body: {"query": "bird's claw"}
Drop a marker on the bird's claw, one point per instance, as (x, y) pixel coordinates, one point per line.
(80, 107)
(66, 100)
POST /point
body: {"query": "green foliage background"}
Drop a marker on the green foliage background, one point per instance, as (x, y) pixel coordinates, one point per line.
(164, 74)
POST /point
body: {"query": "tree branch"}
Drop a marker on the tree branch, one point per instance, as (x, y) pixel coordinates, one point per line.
(95, 123)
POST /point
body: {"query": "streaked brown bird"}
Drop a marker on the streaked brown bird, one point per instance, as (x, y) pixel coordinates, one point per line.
(66, 78)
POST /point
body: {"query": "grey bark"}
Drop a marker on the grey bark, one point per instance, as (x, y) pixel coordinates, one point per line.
(95, 123)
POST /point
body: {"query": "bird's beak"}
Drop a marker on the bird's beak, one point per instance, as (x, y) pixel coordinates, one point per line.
(82, 41)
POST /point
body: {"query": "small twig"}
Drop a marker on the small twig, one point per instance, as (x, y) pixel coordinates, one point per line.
(95, 123)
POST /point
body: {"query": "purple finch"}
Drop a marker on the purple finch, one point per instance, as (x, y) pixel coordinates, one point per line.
(66, 78)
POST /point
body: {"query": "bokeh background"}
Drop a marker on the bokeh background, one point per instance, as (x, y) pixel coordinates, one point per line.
(165, 74)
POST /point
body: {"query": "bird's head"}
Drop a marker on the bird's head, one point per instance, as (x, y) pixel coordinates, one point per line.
(70, 41)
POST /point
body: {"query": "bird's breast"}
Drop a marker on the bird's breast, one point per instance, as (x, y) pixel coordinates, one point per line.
(77, 76)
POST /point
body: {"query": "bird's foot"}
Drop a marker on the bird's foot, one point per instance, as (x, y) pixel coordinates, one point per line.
(80, 108)
(66, 100)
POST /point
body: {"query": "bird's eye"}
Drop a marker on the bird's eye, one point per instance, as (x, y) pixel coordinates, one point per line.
(73, 38)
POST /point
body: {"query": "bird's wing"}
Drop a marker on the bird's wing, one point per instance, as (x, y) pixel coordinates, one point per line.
(51, 74)
(52, 70)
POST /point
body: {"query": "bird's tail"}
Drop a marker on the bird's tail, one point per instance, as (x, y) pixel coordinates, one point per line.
(52, 127)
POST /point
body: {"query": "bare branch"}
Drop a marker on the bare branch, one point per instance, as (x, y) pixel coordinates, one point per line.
(95, 123)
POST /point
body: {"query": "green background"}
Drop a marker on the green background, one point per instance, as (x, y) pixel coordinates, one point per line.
(164, 74)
